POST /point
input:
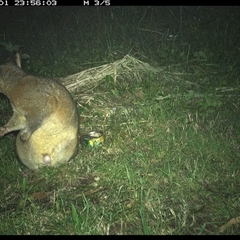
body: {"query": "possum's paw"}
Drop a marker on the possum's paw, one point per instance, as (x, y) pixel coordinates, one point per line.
(3, 131)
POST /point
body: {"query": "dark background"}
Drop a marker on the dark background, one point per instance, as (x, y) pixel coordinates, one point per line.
(90, 33)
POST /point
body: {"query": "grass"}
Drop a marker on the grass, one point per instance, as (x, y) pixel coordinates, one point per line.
(170, 161)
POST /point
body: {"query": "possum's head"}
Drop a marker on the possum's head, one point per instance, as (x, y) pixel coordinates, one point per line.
(10, 72)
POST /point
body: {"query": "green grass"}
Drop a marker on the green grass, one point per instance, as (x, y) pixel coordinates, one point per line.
(170, 161)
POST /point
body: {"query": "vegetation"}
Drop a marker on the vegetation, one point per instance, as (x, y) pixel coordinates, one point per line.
(170, 160)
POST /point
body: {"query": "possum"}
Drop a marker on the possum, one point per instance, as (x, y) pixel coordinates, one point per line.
(45, 115)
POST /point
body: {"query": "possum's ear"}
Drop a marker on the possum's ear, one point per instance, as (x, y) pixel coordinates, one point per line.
(18, 59)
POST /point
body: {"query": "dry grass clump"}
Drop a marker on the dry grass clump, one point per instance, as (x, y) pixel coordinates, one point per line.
(85, 81)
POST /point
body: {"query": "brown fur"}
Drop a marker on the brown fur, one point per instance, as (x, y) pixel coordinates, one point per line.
(45, 115)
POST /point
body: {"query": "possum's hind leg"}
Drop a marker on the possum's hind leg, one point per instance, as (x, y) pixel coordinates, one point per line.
(26, 132)
(36, 117)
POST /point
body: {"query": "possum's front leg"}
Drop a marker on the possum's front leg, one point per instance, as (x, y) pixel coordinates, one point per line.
(16, 122)
(26, 125)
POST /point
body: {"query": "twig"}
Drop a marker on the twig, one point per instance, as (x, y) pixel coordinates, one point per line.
(233, 221)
